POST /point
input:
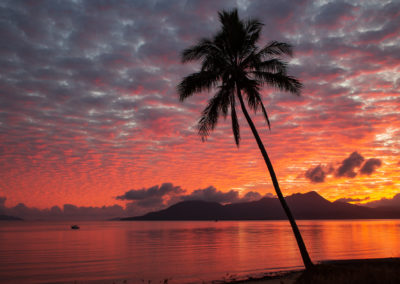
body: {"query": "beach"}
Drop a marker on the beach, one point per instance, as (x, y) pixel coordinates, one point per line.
(372, 271)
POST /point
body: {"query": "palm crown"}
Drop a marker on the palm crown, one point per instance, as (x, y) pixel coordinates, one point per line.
(232, 63)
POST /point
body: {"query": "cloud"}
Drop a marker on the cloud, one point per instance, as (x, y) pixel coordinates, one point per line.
(211, 194)
(154, 192)
(140, 202)
(155, 198)
(349, 164)
(347, 168)
(370, 166)
(151, 199)
(67, 212)
(160, 197)
(349, 199)
(253, 196)
(390, 202)
(318, 173)
(333, 14)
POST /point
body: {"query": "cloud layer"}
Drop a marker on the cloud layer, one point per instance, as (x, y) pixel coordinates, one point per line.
(139, 202)
(88, 105)
(346, 168)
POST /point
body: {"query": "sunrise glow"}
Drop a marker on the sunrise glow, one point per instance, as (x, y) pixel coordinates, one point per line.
(89, 109)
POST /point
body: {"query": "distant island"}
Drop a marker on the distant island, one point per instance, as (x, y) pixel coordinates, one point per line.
(307, 206)
(9, 218)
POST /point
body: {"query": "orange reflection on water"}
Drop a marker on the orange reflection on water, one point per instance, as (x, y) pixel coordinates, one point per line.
(349, 239)
(183, 251)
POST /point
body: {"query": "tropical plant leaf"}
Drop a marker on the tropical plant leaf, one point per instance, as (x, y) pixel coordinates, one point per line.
(235, 123)
(197, 82)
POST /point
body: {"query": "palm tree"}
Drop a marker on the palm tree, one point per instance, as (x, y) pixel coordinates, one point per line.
(232, 65)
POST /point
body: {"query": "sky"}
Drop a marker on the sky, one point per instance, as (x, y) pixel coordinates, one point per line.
(90, 118)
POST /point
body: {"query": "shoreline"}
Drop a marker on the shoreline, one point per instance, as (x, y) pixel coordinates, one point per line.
(280, 277)
(346, 271)
(373, 270)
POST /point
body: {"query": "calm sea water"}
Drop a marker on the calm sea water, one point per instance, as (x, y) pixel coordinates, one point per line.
(183, 252)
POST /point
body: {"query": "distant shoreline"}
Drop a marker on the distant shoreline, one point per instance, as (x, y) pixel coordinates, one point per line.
(233, 220)
(307, 206)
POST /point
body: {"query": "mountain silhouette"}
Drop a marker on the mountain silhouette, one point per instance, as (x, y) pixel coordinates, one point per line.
(308, 206)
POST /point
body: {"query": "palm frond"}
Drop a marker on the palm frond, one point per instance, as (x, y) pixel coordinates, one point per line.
(220, 102)
(226, 94)
(253, 31)
(215, 62)
(209, 117)
(196, 82)
(265, 115)
(235, 122)
(264, 111)
(280, 81)
(276, 48)
(250, 61)
(273, 65)
(251, 89)
(198, 51)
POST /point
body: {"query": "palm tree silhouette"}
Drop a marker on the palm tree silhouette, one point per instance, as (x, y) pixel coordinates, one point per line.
(232, 64)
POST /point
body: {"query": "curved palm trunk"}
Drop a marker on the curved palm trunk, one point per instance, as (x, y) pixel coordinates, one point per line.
(303, 250)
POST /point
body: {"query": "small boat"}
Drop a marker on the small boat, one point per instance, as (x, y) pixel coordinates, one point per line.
(75, 227)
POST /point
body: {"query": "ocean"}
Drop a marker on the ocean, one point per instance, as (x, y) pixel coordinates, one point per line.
(180, 251)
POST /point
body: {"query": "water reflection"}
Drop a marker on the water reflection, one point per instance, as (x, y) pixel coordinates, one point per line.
(183, 251)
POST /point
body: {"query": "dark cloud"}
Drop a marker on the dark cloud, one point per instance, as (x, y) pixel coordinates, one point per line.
(211, 194)
(151, 199)
(346, 169)
(68, 212)
(390, 202)
(318, 173)
(333, 14)
(348, 165)
(352, 199)
(370, 166)
(139, 202)
(160, 197)
(152, 192)
(252, 196)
